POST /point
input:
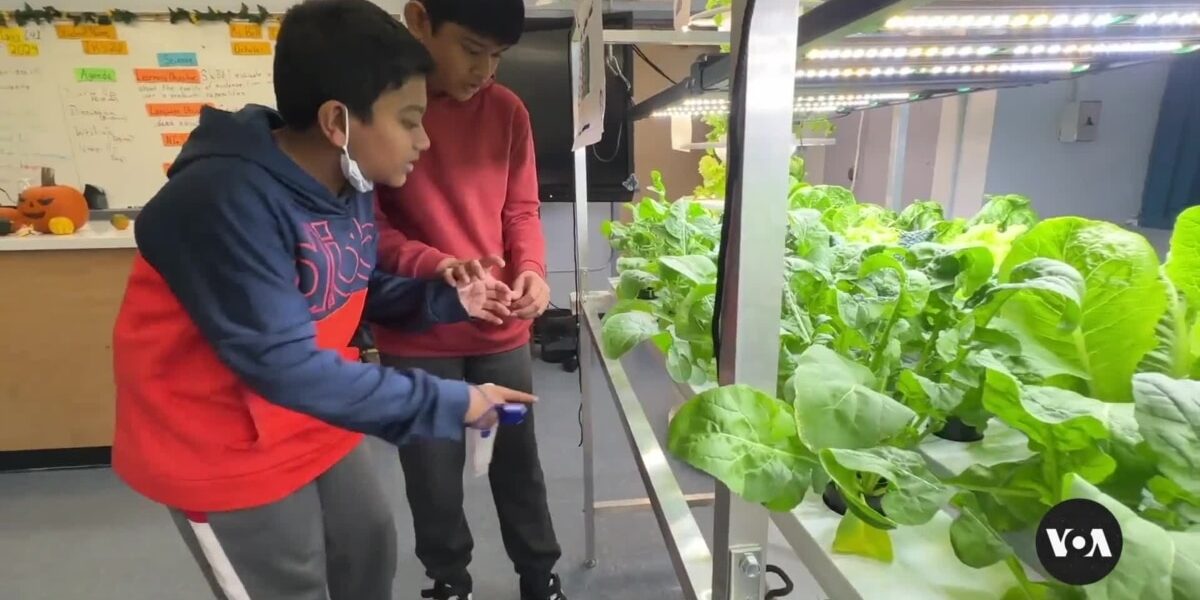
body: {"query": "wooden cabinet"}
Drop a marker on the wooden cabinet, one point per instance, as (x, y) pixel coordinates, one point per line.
(57, 309)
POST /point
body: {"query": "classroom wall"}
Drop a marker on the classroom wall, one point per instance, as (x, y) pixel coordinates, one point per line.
(923, 128)
(1102, 179)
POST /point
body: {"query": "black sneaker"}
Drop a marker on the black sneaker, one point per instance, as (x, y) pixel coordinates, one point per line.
(552, 590)
(445, 591)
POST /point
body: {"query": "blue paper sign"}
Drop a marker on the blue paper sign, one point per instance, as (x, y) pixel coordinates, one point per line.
(177, 59)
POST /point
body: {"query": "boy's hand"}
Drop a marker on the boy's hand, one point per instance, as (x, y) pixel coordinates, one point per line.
(481, 412)
(461, 272)
(531, 294)
(486, 299)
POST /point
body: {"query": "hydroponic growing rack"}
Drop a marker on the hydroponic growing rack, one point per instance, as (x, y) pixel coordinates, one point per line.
(839, 55)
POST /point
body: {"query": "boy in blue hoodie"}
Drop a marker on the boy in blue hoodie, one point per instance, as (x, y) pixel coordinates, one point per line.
(241, 405)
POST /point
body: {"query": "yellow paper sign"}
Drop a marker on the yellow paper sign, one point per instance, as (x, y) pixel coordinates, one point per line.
(118, 47)
(251, 48)
(22, 49)
(88, 31)
(245, 31)
(12, 34)
(273, 31)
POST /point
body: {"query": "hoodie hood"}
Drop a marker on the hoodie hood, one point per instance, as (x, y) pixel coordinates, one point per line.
(246, 135)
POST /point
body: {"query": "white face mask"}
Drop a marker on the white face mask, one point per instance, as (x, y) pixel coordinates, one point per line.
(350, 166)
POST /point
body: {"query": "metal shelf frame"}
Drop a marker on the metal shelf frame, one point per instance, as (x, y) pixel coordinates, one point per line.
(859, 23)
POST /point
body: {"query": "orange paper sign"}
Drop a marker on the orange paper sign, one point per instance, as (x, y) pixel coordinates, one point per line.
(166, 167)
(167, 75)
(273, 31)
(90, 31)
(245, 31)
(174, 109)
(119, 47)
(174, 139)
(252, 48)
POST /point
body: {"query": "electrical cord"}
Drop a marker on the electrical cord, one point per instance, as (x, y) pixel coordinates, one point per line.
(788, 586)
(642, 55)
(733, 176)
(862, 125)
(614, 65)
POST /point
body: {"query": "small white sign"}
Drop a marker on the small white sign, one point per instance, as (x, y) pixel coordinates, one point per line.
(587, 69)
(683, 14)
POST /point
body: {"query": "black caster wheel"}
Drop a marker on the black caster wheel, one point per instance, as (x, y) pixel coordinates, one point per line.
(570, 364)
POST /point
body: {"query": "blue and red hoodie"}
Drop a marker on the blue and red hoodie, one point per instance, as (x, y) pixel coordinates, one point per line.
(235, 381)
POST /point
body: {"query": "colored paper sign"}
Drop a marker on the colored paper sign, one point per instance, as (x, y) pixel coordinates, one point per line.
(273, 31)
(95, 74)
(174, 139)
(175, 109)
(22, 49)
(251, 48)
(12, 34)
(177, 59)
(167, 75)
(166, 167)
(116, 47)
(86, 31)
(245, 31)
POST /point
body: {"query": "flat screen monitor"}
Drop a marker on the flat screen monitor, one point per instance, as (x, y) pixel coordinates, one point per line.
(538, 69)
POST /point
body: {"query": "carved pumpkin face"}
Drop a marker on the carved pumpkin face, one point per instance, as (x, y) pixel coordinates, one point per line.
(13, 216)
(38, 205)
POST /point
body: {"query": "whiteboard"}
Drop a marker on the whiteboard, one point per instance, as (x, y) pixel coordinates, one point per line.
(110, 105)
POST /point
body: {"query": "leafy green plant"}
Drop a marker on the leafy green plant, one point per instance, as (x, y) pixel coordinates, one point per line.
(1065, 330)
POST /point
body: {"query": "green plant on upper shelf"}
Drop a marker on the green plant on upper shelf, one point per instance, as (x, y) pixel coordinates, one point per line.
(896, 325)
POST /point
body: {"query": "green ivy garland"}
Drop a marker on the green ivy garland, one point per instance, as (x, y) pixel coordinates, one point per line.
(49, 14)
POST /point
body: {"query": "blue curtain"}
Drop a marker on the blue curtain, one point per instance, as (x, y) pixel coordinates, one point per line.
(1173, 179)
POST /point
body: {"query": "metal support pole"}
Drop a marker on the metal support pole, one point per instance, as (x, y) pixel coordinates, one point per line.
(753, 279)
(899, 157)
(585, 350)
(584, 345)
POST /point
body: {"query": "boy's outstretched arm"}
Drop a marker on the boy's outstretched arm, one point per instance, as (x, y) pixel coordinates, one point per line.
(397, 253)
(231, 267)
(415, 304)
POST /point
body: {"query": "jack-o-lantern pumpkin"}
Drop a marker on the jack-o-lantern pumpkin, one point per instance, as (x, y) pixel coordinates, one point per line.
(12, 217)
(38, 205)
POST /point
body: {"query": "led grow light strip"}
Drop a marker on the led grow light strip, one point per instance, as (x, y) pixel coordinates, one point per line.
(900, 52)
(694, 107)
(1169, 19)
(1070, 49)
(1037, 21)
(937, 70)
(1099, 48)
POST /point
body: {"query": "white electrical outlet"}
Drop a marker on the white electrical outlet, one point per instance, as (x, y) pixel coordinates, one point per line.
(1080, 122)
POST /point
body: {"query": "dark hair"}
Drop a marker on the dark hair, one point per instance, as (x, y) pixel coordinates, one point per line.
(502, 21)
(351, 51)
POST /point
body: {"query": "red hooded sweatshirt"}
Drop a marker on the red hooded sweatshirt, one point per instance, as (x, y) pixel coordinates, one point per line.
(474, 193)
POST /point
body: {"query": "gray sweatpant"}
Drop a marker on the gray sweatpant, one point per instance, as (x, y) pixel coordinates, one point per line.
(333, 539)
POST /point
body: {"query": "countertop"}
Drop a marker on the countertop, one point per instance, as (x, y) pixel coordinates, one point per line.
(93, 236)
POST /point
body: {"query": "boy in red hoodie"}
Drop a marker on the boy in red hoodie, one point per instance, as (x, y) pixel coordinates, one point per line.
(240, 405)
(475, 193)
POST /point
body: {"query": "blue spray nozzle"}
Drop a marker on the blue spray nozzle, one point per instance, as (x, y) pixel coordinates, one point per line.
(512, 414)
